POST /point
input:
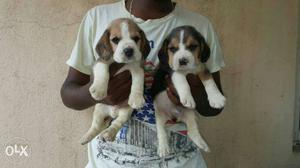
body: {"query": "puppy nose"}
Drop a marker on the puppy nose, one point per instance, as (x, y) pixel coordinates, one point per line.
(183, 61)
(128, 52)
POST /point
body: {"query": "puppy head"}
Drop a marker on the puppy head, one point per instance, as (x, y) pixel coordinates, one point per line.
(124, 42)
(184, 49)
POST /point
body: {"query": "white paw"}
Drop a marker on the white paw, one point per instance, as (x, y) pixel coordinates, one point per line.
(198, 140)
(216, 100)
(204, 147)
(84, 140)
(109, 134)
(98, 92)
(163, 150)
(188, 101)
(136, 100)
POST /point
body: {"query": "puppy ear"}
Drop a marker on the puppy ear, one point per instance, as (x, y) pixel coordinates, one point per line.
(163, 53)
(145, 46)
(205, 51)
(103, 48)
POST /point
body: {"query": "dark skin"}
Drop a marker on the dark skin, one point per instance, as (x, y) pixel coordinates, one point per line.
(75, 90)
(150, 9)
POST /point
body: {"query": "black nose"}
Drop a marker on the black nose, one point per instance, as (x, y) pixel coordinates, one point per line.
(128, 52)
(183, 61)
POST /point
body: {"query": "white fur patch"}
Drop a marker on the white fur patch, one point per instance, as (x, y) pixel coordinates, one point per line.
(183, 89)
(99, 87)
(124, 30)
(183, 53)
(126, 42)
(181, 37)
(214, 96)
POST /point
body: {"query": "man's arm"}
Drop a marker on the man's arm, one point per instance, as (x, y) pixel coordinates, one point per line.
(75, 90)
(199, 94)
(202, 104)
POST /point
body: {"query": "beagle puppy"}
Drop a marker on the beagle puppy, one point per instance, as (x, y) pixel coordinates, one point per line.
(122, 42)
(183, 52)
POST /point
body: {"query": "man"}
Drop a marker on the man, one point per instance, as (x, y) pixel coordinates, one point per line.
(135, 145)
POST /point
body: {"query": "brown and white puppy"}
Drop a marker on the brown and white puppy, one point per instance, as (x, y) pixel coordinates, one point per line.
(183, 52)
(122, 42)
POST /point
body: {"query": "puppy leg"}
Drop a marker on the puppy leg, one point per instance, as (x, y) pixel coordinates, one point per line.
(98, 124)
(190, 119)
(183, 89)
(136, 98)
(214, 96)
(99, 87)
(110, 133)
(163, 148)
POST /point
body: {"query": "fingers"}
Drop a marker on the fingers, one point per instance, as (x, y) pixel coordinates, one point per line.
(118, 89)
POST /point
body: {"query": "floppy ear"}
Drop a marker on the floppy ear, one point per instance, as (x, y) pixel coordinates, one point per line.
(163, 53)
(205, 51)
(164, 57)
(145, 46)
(103, 48)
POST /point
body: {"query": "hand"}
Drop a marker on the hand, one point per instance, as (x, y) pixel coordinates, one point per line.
(118, 86)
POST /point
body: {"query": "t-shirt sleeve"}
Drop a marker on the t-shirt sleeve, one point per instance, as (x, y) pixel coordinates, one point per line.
(82, 56)
(216, 61)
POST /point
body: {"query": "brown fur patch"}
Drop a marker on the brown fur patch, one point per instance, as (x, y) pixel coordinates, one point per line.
(105, 47)
(174, 43)
(191, 41)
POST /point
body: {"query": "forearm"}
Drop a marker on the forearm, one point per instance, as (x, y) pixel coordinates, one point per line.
(203, 105)
(76, 96)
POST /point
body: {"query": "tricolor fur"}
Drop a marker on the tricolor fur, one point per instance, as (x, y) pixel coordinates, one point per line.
(183, 52)
(122, 42)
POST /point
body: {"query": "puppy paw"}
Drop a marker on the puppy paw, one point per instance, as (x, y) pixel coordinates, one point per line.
(216, 100)
(188, 101)
(109, 134)
(163, 150)
(204, 147)
(136, 100)
(98, 92)
(85, 139)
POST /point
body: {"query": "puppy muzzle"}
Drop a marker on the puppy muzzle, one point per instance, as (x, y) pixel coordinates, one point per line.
(183, 61)
(128, 52)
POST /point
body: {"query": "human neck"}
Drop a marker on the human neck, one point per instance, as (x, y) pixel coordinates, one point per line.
(150, 9)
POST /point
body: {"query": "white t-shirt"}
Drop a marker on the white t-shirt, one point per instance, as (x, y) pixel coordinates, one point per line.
(82, 59)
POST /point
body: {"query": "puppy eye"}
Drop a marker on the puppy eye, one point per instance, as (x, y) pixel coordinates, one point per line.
(115, 40)
(173, 49)
(136, 38)
(192, 47)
